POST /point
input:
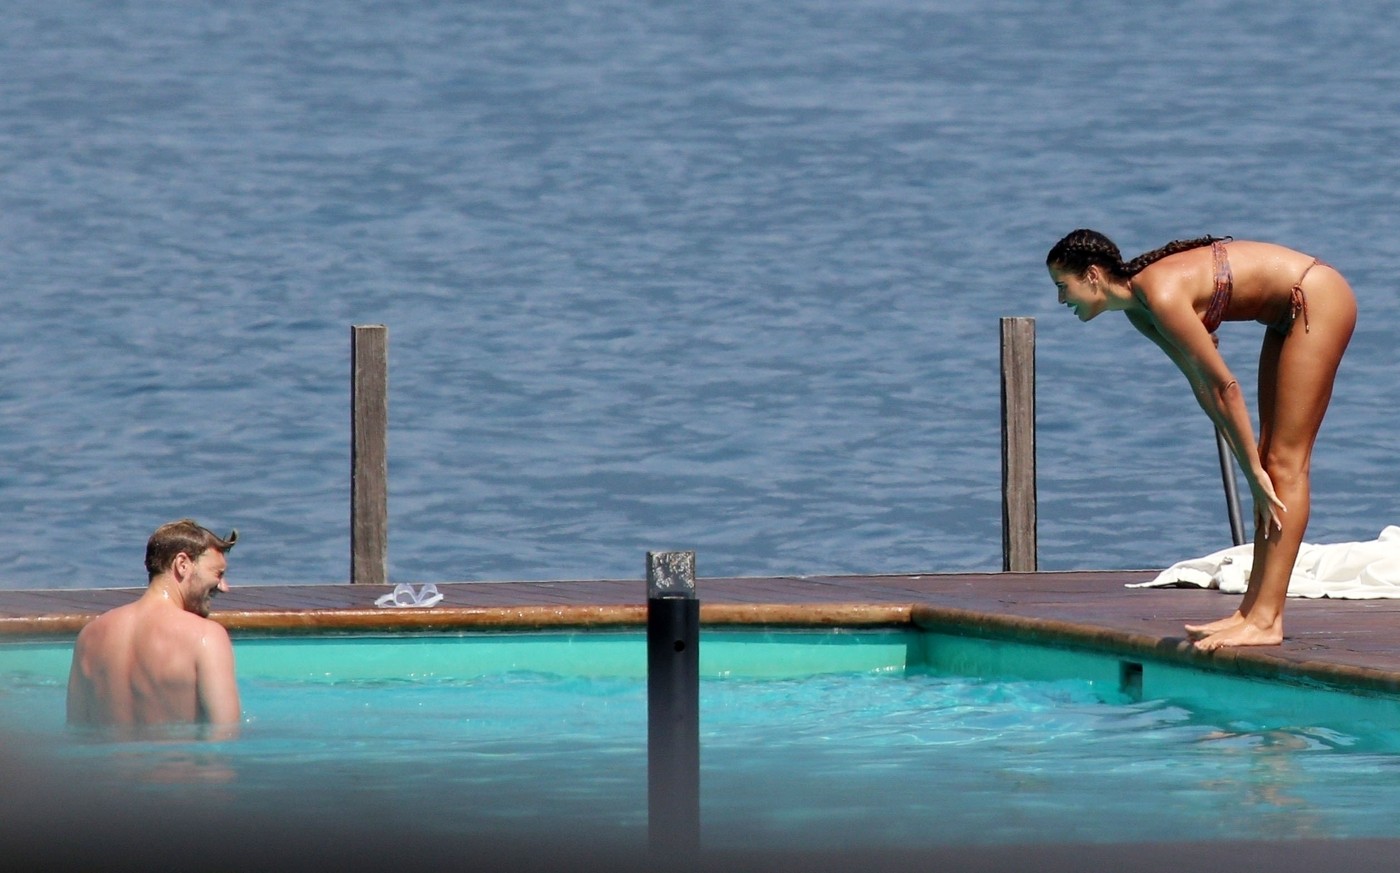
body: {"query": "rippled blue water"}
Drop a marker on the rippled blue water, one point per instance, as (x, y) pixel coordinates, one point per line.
(719, 276)
(825, 762)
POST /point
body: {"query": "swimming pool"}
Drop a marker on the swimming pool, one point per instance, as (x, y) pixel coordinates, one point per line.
(810, 739)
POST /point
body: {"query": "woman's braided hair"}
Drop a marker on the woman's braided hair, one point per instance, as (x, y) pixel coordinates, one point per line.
(1083, 248)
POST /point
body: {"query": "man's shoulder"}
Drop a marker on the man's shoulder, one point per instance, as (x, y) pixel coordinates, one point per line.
(194, 623)
(205, 631)
(112, 618)
(175, 626)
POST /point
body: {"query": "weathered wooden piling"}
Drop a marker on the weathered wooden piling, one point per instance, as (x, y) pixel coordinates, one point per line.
(1018, 494)
(369, 454)
(369, 492)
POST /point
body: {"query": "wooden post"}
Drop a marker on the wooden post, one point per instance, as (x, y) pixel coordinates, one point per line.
(369, 454)
(1018, 521)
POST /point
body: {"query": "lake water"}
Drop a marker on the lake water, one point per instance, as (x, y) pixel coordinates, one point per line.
(722, 276)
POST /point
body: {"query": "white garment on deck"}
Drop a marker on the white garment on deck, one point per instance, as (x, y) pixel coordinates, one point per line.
(1355, 571)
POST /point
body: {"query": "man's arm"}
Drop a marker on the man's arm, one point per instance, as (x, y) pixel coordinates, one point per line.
(78, 696)
(80, 691)
(216, 684)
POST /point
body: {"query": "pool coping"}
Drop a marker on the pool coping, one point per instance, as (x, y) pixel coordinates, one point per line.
(1253, 663)
(1338, 644)
(1347, 646)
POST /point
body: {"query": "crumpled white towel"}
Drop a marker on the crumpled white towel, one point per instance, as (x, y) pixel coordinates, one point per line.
(1354, 571)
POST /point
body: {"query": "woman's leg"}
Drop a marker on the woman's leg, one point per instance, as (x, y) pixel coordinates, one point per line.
(1268, 397)
(1296, 374)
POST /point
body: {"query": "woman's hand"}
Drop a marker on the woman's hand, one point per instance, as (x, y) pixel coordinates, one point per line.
(1268, 509)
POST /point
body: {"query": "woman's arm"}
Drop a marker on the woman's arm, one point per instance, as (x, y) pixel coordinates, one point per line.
(1200, 384)
(1178, 332)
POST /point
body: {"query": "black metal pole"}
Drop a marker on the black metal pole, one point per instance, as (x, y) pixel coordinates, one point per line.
(1227, 475)
(673, 703)
(1232, 494)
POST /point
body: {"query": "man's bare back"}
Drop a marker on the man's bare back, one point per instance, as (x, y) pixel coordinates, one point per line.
(160, 659)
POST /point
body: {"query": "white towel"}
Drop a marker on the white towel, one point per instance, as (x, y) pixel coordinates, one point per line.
(1355, 571)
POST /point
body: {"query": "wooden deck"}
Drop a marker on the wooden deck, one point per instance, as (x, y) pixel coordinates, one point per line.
(1352, 643)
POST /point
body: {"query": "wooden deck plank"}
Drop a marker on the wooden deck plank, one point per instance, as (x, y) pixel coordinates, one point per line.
(1345, 635)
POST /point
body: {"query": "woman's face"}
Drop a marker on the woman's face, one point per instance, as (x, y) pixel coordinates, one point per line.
(1082, 294)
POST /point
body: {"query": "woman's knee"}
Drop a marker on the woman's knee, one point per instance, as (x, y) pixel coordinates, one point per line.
(1286, 468)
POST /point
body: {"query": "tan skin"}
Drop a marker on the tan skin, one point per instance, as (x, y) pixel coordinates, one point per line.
(1165, 302)
(159, 659)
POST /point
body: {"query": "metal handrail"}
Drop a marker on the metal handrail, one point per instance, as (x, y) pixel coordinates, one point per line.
(1232, 494)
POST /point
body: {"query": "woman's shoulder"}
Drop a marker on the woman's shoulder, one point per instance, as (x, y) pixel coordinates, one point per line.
(1239, 256)
(1171, 271)
(1248, 247)
(1266, 261)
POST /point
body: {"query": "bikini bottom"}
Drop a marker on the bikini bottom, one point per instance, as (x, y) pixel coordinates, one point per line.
(1298, 303)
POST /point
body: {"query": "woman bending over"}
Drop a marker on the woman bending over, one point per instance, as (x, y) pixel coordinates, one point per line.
(1177, 296)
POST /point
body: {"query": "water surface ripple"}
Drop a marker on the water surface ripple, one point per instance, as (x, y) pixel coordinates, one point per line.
(723, 277)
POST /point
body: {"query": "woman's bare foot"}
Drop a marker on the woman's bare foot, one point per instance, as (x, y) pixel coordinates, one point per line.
(1200, 631)
(1243, 634)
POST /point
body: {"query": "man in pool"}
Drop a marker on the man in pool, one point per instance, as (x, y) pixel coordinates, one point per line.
(161, 659)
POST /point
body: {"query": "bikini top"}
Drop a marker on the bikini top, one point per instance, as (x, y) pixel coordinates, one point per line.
(1224, 287)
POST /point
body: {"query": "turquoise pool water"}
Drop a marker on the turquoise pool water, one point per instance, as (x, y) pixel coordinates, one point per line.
(890, 739)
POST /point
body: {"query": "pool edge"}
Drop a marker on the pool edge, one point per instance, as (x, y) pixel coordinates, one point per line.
(1245, 662)
(1260, 663)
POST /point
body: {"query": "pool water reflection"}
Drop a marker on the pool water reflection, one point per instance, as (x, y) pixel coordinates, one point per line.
(869, 747)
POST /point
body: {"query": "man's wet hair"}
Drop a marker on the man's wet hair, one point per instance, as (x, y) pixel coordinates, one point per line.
(185, 535)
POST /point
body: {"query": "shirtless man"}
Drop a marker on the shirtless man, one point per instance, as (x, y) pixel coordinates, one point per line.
(160, 659)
